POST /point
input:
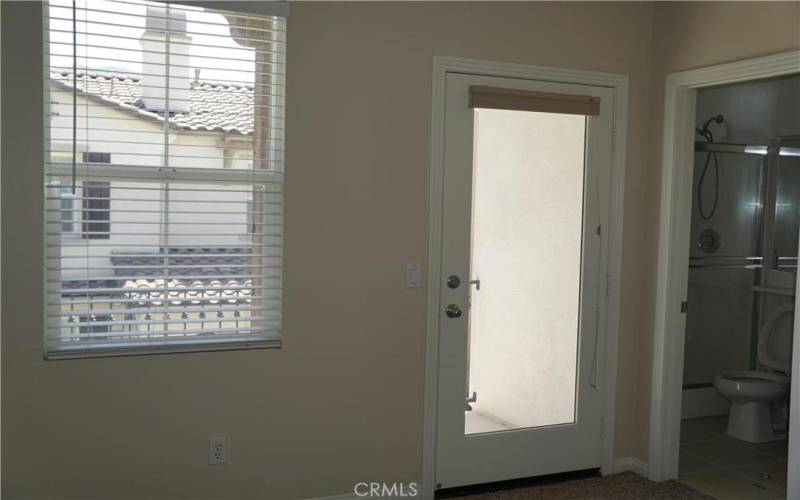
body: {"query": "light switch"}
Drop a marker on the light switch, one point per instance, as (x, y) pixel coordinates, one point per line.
(413, 275)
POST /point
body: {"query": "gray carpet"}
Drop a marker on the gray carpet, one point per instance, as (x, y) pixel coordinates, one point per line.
(624, 486)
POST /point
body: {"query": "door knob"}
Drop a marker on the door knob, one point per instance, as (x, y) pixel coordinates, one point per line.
(453, 311)
(453, 281)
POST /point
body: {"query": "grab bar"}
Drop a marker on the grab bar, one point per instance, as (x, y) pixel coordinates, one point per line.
(750, 149)
(740, 262)
(719, 147)
(726, 262)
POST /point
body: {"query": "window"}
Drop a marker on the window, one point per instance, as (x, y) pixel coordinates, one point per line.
(96, 210)
(63, 187)
(96, 221)
(67, 207)
(94, 157)
(164, 178)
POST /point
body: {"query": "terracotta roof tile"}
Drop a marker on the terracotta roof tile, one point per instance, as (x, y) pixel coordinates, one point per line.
(215, 107)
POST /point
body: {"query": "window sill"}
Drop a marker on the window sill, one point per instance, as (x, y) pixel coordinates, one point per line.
(173, 347)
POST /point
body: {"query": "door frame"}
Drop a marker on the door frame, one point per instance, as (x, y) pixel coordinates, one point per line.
(612, 244)
(673, 254)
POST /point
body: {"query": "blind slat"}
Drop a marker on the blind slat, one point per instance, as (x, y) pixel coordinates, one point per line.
(216, 335)
(270, 293)
(280, 10)
(104, 290)
(97, 70)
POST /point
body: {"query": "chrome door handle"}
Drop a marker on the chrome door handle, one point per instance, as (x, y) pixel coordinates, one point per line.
(453, 311)
(453, 281)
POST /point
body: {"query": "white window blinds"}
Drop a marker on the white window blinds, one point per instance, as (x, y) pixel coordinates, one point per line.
(163, 178)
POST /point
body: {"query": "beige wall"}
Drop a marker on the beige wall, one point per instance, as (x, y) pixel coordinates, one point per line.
(689, 35)
(526, 163)
(342, 401)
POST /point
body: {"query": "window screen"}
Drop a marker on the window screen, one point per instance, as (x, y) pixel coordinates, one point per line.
(164, 178)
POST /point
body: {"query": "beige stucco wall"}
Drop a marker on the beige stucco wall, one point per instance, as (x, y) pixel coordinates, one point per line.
(360, 92)
(689, 35)
(132, 142)
(343, 400)
(526, 163)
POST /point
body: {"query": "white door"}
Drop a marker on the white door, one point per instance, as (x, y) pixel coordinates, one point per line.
(525, 202)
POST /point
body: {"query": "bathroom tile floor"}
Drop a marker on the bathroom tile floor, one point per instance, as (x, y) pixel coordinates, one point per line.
(729, 469)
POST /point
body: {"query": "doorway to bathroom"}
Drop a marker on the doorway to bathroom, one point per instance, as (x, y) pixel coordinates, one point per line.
(726, 321)
(740, 295)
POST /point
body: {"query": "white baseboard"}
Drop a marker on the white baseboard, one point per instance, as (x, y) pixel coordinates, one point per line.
(632, 464)
(703, 402)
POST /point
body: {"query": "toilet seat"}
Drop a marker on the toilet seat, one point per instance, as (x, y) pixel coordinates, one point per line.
(751, 384)
(752, 377)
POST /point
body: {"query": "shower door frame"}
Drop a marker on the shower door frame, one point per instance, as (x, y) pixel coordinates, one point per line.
(673, 259)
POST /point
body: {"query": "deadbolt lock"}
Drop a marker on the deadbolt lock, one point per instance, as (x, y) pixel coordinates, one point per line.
(453, 311)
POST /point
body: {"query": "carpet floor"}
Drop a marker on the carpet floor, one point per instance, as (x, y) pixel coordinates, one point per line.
(624, 486)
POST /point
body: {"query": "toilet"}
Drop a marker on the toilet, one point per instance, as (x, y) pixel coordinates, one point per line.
(758, 398)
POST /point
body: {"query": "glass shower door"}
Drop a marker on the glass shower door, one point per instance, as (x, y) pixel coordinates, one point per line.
(787, 211)
(724, 265)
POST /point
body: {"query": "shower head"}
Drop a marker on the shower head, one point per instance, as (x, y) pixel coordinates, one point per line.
(705, 132)
(718, 119)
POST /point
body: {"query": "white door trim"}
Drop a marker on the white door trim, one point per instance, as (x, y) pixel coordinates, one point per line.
(607, 373)
(673, 252)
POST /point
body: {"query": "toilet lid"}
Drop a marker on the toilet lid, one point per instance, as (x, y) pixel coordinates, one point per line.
(775, 339)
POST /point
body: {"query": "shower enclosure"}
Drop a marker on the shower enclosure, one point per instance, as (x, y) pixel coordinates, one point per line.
(743, 256)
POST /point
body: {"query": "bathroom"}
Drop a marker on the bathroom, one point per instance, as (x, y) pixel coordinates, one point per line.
(740, 300)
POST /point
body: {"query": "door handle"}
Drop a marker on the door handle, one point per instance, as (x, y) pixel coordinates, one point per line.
(453, 281)
(453, 311)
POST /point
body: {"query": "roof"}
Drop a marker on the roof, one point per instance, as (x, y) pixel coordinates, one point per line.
(192, 267)
(215, 107)
(186, 261)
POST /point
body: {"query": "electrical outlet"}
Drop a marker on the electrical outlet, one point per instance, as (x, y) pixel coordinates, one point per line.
(216, 451)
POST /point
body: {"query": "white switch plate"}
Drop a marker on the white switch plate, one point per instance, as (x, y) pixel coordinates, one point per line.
(216, 451)
(413, 275)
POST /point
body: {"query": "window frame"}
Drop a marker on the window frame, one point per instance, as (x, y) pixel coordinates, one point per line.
(272, 173)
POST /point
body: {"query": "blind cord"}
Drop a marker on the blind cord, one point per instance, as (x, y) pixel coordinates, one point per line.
(74, 95)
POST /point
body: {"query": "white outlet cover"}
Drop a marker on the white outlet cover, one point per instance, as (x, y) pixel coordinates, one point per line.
(413, 275)
(216, 450)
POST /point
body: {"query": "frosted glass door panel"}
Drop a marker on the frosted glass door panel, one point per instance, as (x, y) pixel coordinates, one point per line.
(527, 211)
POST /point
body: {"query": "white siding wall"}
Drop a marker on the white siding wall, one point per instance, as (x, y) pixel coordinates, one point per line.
(138, 141)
